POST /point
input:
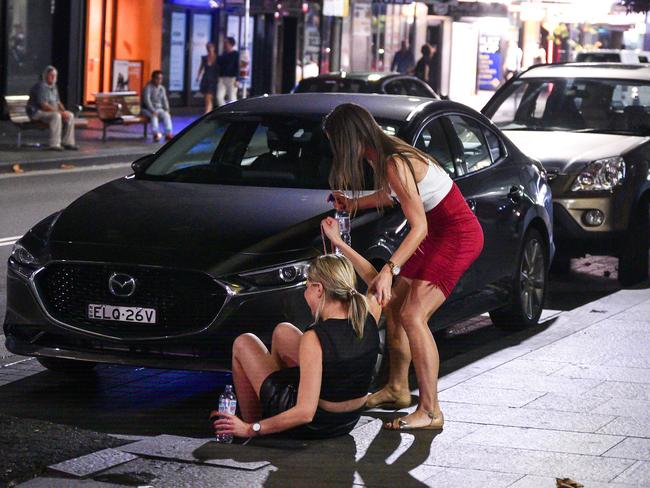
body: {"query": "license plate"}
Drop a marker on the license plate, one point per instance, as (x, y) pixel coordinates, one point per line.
(122, 314)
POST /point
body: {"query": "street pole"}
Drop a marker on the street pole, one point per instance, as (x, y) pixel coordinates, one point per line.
(244, 62)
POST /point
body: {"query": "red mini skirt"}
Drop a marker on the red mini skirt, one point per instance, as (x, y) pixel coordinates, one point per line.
(453, 242)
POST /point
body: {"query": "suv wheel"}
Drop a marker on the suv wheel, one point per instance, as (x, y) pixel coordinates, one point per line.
(66, 365)
(528, 286)
(633, 259)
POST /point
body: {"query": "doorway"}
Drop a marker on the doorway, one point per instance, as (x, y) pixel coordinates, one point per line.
(434, 38)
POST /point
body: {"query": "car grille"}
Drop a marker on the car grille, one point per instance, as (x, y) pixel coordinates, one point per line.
(184, 300)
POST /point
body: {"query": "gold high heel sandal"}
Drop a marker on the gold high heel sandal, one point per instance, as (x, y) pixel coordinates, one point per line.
(435, 423)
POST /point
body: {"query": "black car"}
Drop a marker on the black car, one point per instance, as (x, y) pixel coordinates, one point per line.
(387, 83)
(210, 237)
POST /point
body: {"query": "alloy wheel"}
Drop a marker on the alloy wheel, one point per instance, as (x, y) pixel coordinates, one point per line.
(532, 278)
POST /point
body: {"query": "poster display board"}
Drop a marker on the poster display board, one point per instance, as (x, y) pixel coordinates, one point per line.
(127, 76)
(489, 60)
(177, 52)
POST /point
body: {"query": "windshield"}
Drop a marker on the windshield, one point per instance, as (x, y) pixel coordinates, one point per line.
(250, 150)
(572, 104)
(335, 85)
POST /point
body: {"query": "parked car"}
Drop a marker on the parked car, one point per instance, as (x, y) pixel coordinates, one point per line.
(385, 83)
(210, 237)
(627, 56)
(589, 124)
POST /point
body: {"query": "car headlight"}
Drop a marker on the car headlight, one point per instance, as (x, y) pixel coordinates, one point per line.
(603, 174)
(23, 257)
(279, 276)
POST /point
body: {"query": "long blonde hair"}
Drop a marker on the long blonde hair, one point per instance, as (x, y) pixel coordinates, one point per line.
(336, 274)
(350, 129)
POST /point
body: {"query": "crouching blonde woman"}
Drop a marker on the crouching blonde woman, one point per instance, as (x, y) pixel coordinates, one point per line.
(312, 385)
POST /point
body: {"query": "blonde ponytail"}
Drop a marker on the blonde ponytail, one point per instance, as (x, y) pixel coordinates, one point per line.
(338, 278)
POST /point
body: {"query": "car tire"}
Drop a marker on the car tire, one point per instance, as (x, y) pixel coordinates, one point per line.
(60, 365)
(633, 258)
(529, 285)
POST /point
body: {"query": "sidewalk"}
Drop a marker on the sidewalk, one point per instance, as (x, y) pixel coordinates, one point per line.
(124, 144)
(569, 398)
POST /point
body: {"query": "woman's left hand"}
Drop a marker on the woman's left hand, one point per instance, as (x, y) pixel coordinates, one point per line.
(381, 287)
(231, 424)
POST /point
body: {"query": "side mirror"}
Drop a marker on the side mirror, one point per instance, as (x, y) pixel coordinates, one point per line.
(139, 165)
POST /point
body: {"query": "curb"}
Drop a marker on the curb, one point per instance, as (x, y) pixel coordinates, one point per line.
(68, 163)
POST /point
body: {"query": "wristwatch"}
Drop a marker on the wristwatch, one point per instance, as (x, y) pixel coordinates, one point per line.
(394, 269)
(257, 427)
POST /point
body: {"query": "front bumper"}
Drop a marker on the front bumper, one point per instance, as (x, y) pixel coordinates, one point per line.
(31, 331)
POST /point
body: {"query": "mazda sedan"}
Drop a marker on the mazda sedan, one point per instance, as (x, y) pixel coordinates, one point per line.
(211, 236)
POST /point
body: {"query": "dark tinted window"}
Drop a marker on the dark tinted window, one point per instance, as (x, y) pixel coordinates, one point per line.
(475, 150)
(598, 58)
(334, 85)
(416, 88)
(395, 87)
(432, 140)
(494, 145)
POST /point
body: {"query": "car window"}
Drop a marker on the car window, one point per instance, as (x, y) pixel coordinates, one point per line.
(433, 141)
(395, 87)
(494, 145)
(416, 88)
(579, 104)
(252, 150)
(331, 85)
(598, 57)
(475, 150)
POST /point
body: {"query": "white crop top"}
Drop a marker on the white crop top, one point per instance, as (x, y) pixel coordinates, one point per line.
(435, 186)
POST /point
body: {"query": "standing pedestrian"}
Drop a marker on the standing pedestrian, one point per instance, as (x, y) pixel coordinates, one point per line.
(208, 75)
(425, 69)
(155, 105)
(444, 239)
(228, 62)
(45, 105)
(403, 61)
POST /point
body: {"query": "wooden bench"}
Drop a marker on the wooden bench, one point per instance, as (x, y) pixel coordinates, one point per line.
(16, 106)
(120, 108)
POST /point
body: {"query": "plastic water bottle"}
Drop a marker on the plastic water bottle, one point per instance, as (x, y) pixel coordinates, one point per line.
(227, 404)
(343, 218)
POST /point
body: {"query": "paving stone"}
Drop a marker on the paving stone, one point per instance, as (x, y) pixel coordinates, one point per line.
(522, 417)
(638, 313)
(638, 475)
(584, 403)
(627, 426)
(166, 474)
(606, 373)
(542, 440)
(540, 463)
(183, 448)
(620, 389)
(631, 448)
(530, 481)
(65, 483)
(93, 462)
(455, 477)
(488, 396)
(524, 365)
(532, 382)
(624, 407)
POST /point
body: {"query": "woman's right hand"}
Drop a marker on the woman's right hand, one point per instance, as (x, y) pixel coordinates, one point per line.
(330, 228)
(343, 203)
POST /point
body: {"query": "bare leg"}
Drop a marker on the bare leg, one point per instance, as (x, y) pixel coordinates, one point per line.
(285, 345)
(422, 301)
(251, 364)
(396, 393)
(208, 102)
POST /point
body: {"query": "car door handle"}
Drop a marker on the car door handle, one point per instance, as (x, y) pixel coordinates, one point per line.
(515, 194)
(471, 203)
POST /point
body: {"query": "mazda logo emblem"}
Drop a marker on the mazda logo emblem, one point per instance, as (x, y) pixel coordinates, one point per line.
(121, 285)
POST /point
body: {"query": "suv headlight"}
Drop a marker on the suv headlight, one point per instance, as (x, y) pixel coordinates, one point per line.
(279, 276)
(603, 174)
(23, 257)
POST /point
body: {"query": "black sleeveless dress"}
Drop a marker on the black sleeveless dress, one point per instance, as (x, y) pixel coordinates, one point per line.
(210, 76)
(348, 365)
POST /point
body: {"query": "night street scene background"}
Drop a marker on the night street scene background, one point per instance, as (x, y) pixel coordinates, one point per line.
(163, 174)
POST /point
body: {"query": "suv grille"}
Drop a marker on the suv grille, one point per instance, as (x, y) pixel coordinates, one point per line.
(184, 300)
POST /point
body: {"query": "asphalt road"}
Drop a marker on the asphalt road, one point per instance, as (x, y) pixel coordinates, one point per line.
(27, 198)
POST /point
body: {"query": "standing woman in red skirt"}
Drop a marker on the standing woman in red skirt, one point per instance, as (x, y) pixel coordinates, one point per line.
(443, 241)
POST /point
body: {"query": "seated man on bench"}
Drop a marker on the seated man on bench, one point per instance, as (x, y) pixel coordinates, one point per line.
(45, 105)
(155, 105)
